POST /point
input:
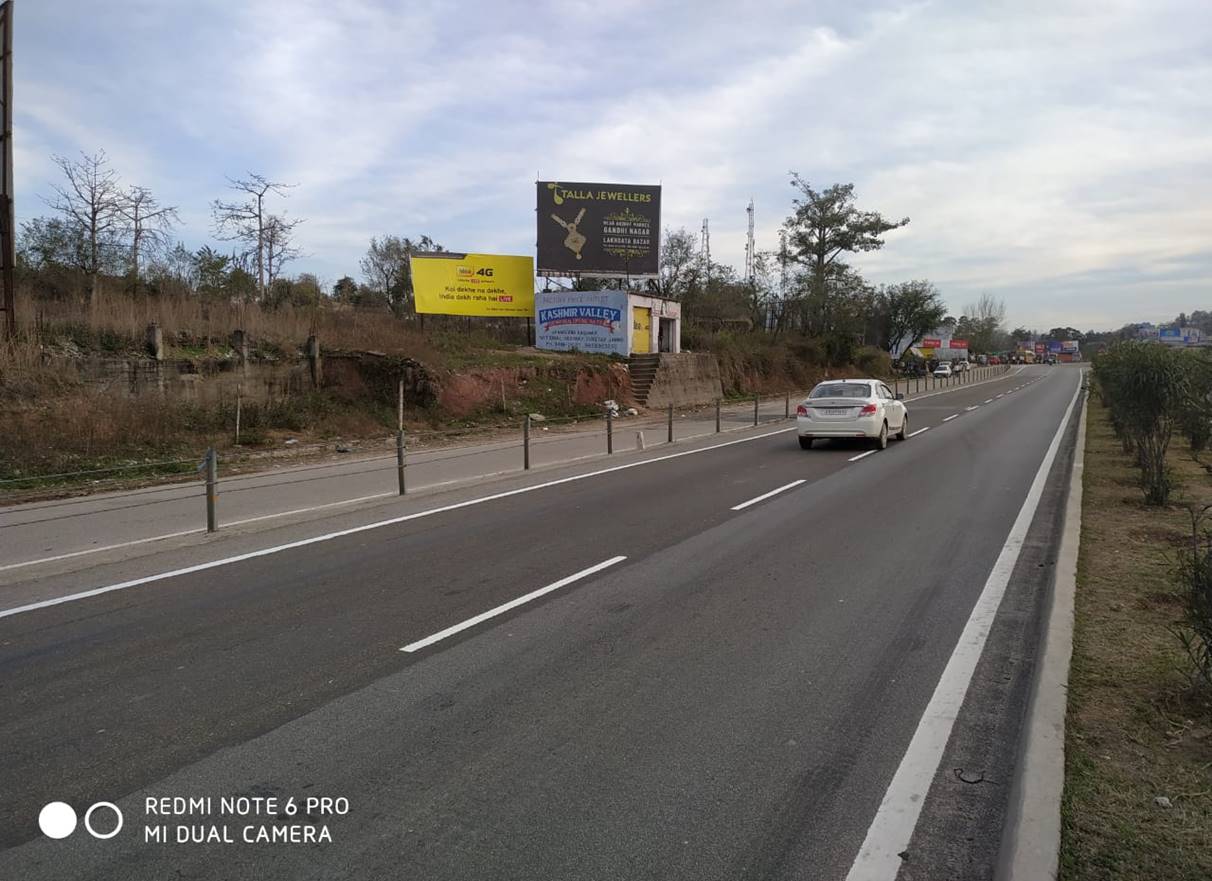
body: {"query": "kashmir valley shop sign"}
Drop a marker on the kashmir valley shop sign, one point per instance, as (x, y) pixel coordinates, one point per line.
(611, 230)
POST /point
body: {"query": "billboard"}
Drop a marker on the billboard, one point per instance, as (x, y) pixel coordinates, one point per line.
(1069, 347)
(1041, 348)
(1054, 346)
(587, 321)
(1170, 333)
(930, 343)
(611, 230)
(473, 284)
(957, 344)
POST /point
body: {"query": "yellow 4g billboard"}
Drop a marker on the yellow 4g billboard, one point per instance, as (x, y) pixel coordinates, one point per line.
(473, 284)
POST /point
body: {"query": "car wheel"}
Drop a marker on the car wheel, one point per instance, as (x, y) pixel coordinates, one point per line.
(881, 441)
(805, 443)
(900, 435)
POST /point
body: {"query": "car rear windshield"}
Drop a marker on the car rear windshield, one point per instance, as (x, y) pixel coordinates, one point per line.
(842, 390)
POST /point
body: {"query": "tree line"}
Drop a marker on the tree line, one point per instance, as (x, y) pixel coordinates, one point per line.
(102, 231)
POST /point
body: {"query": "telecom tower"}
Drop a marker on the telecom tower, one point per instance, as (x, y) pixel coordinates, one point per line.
(750, 255)
(706, 254)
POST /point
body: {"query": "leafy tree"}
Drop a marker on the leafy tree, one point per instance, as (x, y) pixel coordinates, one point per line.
(824, 225)
(1021, 334)
(982, 323)
(907, 312)
(387, 270)
(679, 267)
(1065, 333)
(345, 290)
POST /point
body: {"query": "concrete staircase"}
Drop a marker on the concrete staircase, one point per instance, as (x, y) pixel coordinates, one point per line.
(643, 370)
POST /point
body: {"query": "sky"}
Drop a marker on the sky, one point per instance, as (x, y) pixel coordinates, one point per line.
(1057, 155)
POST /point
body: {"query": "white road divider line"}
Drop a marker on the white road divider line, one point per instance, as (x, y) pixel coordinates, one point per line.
(512, 604)
(970, 409)
(378, 524)
(990, 401)
(952, 416)
(861, 456)
(919, 431)
(888, 836)
(774, 492)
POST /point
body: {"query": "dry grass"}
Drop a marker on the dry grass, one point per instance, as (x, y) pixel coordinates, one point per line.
(194, 320)
(1136, 730)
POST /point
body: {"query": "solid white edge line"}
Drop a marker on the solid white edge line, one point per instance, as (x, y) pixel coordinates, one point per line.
(505, 607)
(861, 456)
(892, 827)
(952, 416)
(378, 524)
(774, 492)
(919, 431)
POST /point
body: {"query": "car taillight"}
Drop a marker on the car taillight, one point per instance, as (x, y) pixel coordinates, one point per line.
(801, 410)
(868, 410)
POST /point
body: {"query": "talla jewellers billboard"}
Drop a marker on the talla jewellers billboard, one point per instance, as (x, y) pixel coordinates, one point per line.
(605, 230)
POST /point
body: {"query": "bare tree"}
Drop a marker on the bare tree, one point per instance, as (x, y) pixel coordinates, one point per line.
(91, 205)
(278, 248)
(246, 221)
(147, 223)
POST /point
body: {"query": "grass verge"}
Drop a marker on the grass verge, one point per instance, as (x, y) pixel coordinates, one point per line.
(1136, 730)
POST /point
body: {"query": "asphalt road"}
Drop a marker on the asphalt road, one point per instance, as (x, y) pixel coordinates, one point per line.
(730, 700)
(73, 530)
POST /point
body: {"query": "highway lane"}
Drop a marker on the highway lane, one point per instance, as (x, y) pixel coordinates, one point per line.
(75, 529)
(718, 620)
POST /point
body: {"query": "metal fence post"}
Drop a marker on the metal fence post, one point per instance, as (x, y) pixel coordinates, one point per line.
(212, 480)
(671, 423)
(609, 432)
(787, 406)
(400, 464)
(526, 443)
(717, 415)
(756, 400)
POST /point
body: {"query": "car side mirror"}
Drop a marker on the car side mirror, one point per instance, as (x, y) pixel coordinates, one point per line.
(899, 396)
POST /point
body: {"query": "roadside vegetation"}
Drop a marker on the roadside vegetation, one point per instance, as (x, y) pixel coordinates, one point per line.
(1138, 787)
(105, 264)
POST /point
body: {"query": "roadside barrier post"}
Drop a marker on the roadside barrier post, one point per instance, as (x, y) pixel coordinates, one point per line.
(400, 463)
(609, 432)
(212, 479)
(787, 406)
(671, 423)
(756, 400)
(717, 415)
(526, 442)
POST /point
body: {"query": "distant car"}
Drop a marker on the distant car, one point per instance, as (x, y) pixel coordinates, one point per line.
(858, 408)
(943, 370)
(993, 359)
(959, 366)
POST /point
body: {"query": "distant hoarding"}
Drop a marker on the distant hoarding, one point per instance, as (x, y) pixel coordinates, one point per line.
(1041, 348)
(473, 284)
(957, 344)
(585, 321)
(1169, 333)
(931, 343)
(611, 230)
(1069, 347)
(1054, 346)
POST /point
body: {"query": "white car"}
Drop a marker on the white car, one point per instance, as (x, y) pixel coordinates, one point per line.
(960, 366)
(943, 370)
(856, 408)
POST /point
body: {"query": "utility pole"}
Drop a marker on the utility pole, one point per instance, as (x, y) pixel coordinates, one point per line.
(8, 232)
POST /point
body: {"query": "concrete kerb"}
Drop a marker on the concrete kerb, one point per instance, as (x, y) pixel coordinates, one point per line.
(1030, 848)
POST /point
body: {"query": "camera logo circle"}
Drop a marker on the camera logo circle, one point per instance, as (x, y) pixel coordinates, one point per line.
(57, 820)
(89, 815)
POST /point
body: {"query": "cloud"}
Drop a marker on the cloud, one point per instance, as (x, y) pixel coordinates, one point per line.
(1054, 154)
